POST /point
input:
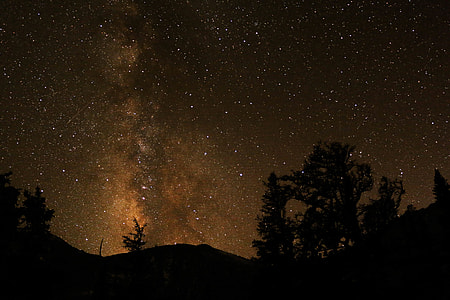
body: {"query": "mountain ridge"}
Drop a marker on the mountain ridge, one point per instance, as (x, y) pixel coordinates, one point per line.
(58, 270)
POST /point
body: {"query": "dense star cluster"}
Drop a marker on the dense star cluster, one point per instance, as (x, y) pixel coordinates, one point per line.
(173, 112)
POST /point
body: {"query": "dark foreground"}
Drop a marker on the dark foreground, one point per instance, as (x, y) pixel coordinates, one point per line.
(411, 260)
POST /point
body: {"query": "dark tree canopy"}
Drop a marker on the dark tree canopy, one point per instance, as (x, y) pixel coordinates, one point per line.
(330, 185)
(37, 216)
(441, 189)
(134, 241)
(379, 213)
(274, 227)
(9, 210)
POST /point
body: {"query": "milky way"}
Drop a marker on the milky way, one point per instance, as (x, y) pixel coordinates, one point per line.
(159, 174)
(174, 112)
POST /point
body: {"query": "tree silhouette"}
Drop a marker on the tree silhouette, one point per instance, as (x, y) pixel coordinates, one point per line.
(134, 240)
(9, 211)
(379, 213)
(311, 232)
(36, 214)
(441, 189)
(275, 229)
(330, 185)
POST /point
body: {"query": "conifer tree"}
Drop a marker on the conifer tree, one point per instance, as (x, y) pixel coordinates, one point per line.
(9, 211)
(441, 189)
(330, 185)
(36, 214)
(379, 213)
(274, 228)
(134, 241)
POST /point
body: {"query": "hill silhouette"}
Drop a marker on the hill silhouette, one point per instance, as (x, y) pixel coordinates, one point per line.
(410, 259)
(45, 266)
(50, 268)
(180, 272)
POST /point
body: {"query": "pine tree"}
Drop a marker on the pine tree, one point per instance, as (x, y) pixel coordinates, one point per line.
(379, 213)
(134, 240)
(274, 228)
(441, 189)
(9, 211)
(36, 214)
(330, 185)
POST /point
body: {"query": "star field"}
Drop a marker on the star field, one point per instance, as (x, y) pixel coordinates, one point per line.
(175, 111)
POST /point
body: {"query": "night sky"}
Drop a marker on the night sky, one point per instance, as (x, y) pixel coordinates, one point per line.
(176, 111)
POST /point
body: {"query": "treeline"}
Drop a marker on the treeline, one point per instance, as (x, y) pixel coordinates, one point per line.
(29, 214)
(329, 189)
(332, 219)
